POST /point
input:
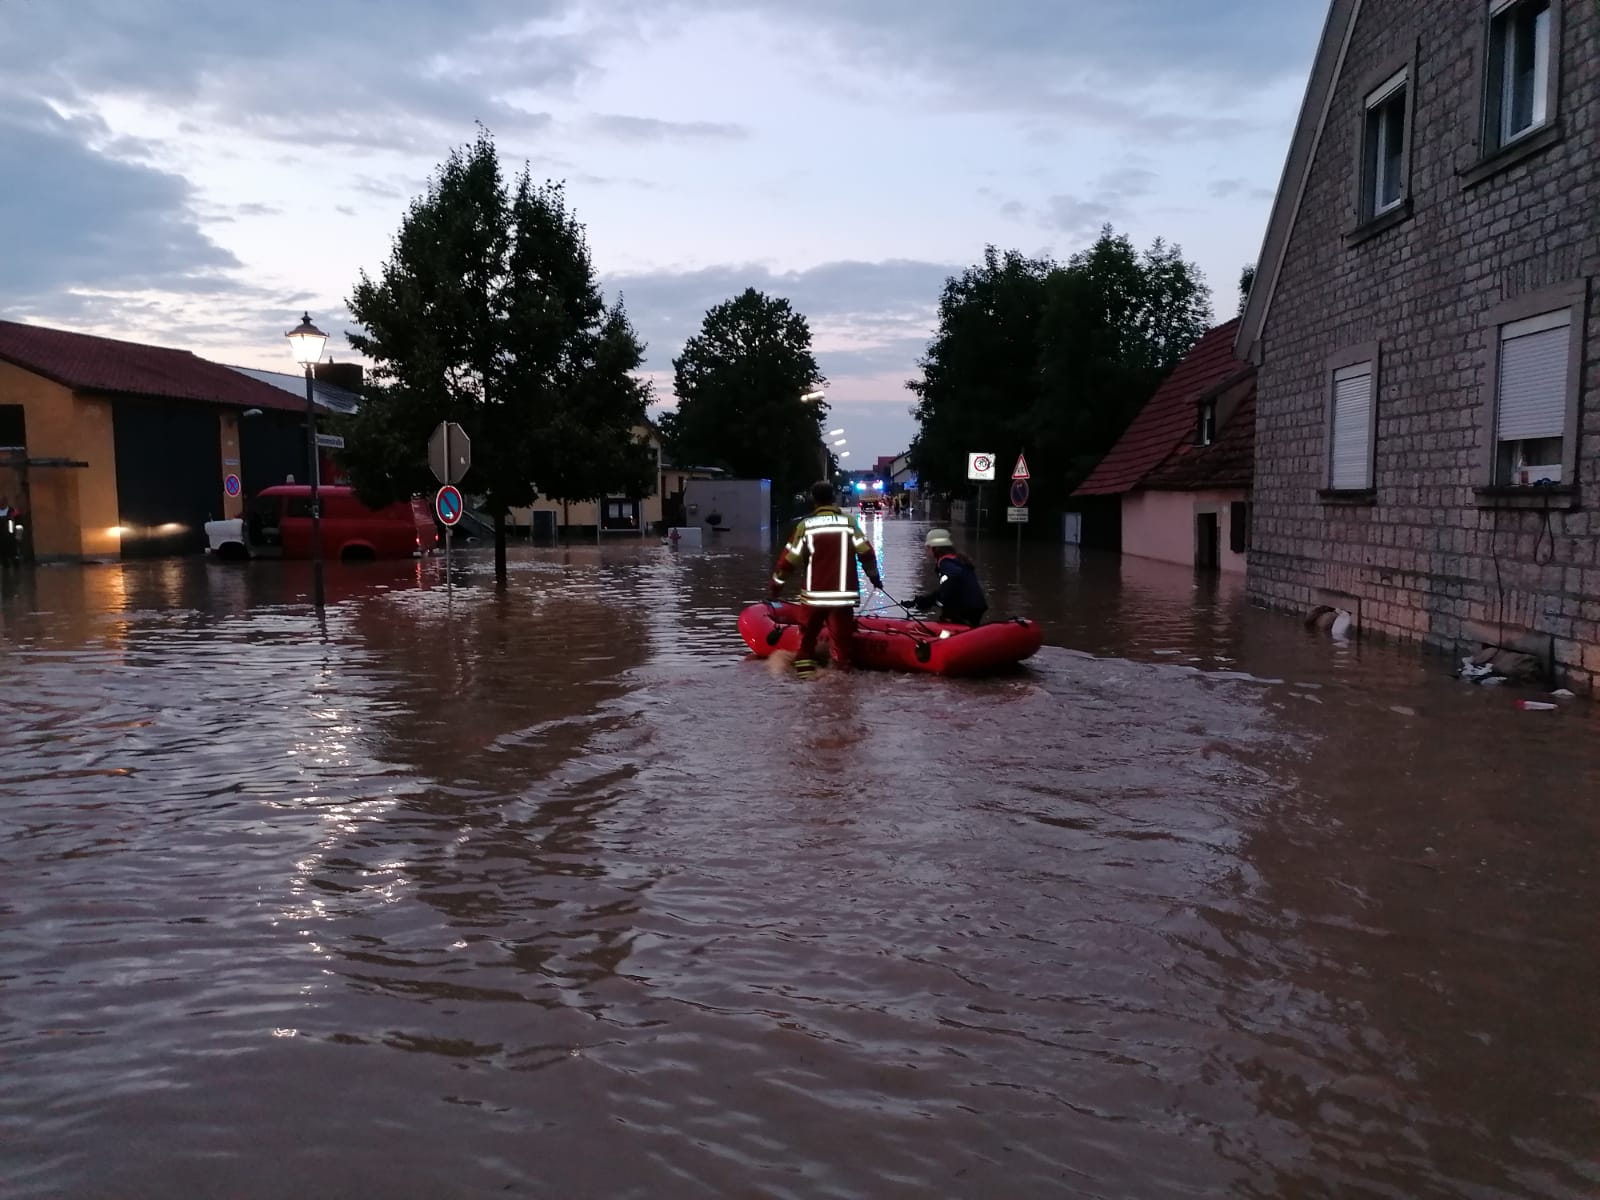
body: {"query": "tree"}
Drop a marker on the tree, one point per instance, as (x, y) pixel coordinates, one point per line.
(1247, 280)
(740, 383)
(1052, 360)
(488, 313)
(978, 375)
(1116, 322)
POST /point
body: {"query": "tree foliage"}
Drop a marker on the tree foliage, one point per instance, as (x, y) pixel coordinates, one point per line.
(740, 383)
(488, 313)
(1051, 360)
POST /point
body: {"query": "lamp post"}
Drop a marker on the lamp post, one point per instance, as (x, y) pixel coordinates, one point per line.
(815, 397)
(306, 342)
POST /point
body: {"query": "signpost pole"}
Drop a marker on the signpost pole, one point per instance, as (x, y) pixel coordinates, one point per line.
(449, 583)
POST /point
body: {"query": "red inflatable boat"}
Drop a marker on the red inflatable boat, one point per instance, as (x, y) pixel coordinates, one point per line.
(897, 644)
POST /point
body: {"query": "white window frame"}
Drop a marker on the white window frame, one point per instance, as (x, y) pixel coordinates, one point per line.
(1499, 77)
(1564, 305)
(1396, 89)
(1354, 418)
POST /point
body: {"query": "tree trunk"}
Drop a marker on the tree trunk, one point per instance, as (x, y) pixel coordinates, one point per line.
(500, 547)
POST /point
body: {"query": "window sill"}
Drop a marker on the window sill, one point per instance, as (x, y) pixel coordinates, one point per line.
(1553, 496)
(1381, 223)
(1349, 497)
(1510, 155)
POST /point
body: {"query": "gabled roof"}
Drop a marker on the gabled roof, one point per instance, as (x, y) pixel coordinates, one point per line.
(1229, 462)
(86, 363)
(327, 395)
(1169, 418)
(1325, 71)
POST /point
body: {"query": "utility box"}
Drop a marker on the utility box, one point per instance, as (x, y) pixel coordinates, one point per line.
(730, 508)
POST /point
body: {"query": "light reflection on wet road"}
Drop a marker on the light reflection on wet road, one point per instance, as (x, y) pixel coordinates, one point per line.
(553, 893)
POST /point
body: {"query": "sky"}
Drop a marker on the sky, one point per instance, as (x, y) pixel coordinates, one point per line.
(197, 174)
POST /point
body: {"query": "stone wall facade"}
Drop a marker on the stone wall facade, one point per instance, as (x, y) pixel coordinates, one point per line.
(1432, 553)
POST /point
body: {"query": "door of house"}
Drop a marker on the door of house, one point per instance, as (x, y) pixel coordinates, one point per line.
(621, 514)
(1206, 541)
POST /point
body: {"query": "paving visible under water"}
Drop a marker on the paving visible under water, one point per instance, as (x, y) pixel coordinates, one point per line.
(551, 892)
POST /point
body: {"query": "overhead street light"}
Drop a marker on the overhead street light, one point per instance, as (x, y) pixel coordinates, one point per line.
(306, 343)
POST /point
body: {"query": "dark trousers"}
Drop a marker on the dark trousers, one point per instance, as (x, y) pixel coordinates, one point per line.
(841, 623)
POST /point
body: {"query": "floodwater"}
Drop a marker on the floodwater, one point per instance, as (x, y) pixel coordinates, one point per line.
(552, 893)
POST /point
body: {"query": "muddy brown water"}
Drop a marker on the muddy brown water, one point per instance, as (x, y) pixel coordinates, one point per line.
(551, 892)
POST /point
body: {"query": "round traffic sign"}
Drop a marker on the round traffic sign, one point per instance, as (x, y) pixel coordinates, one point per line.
(448, 504)
(230, 484)
(981, 462)
(1019, 493)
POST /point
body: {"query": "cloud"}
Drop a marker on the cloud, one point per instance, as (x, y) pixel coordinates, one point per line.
(1109, 200)
(865, 317)
(650, 129)
(412, 77)
(92, 221)
(1228, 189)
(1159, 70)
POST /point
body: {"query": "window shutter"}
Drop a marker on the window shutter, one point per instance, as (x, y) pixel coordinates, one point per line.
(1533, 379)
(1352, 426)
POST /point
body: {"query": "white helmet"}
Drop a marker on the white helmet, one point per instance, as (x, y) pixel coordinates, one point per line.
(938, 539)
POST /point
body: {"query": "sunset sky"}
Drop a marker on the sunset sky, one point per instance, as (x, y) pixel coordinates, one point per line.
(195, 175)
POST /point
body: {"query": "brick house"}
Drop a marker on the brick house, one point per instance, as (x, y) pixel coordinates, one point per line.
(1181, 470)
(1425, 329)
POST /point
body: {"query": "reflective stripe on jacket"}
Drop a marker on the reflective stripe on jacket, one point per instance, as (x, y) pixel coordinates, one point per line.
(827, 544)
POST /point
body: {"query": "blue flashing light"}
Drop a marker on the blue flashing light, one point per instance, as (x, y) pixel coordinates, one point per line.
(860, 487)
(877, 485)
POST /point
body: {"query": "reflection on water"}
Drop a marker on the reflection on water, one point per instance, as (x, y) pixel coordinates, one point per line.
(548, 891)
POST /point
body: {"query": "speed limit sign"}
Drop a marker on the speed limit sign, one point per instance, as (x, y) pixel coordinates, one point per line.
(980, 466)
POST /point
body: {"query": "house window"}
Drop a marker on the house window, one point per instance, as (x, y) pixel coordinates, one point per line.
(1350, 443)
(1384, 148)
(1208, 423)
(1520, 49)
(1531, 399)
(1239, 526)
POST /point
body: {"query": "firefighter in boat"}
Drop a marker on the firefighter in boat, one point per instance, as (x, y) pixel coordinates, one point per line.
(958, 596)
(826, 545)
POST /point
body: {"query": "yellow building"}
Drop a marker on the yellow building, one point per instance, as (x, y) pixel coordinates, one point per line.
(611, 514)
(115, 449)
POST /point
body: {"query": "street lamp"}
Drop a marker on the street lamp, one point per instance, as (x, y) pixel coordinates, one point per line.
(305, 343)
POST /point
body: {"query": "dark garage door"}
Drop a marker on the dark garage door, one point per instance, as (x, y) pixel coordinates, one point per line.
(169, 476)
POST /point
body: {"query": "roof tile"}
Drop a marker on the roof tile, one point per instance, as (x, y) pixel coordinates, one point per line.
(1169, 418)
(86, 363)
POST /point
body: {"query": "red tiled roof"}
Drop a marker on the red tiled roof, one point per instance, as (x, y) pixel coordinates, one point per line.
(1169, 417)
(1229, 462)
(86, 363)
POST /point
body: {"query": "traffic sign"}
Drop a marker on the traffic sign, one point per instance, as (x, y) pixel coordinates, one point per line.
(230, 484)
(1017, 516)
(449, 452)
(1020, 471)
(330, 441)
(980, 466)
(448, 504)
(1019, 493)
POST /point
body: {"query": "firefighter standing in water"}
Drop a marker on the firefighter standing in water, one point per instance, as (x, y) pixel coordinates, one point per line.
(826, 544)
